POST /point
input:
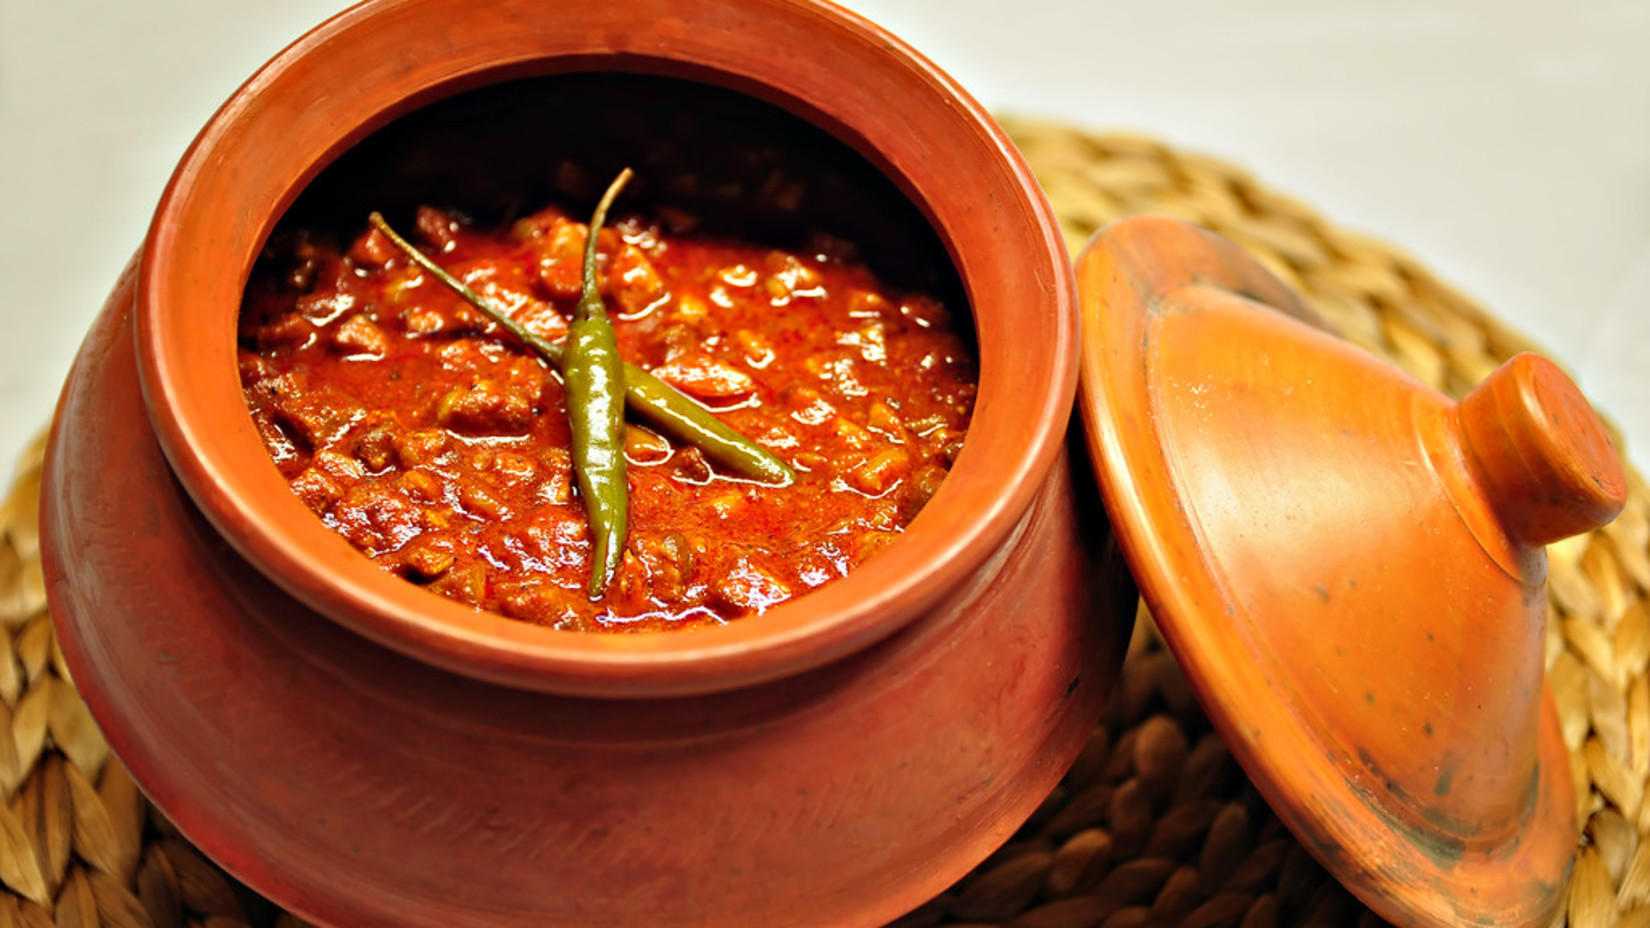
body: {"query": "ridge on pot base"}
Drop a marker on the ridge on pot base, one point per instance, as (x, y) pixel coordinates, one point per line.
(1348, 567)
(365, 753)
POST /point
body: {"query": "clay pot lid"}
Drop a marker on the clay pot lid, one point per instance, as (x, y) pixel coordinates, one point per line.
(1348, 566)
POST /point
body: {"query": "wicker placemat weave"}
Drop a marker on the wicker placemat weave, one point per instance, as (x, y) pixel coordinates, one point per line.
(1154, 825)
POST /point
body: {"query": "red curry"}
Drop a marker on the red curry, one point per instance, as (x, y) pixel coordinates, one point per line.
(417, 431)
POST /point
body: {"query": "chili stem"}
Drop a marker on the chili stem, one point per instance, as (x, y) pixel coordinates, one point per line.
(672, 413)
(549, 350)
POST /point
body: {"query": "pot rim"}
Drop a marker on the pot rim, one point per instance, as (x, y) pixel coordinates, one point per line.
(898, 110)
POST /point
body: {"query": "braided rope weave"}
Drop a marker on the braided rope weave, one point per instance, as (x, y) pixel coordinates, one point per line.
(1154, 824)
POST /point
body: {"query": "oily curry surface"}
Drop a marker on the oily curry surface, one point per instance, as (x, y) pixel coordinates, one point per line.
(422, 434)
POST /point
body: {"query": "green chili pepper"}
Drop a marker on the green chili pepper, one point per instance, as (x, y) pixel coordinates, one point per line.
(676, 416)
(595, 412)
(663, 406)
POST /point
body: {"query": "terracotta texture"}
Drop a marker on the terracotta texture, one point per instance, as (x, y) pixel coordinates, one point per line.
(1348, 566)
(365, 753)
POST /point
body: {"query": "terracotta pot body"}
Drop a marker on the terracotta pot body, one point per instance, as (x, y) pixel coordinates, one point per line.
(361, 787)
(366, 756)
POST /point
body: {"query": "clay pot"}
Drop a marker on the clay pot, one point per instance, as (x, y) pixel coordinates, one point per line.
(1349, 567)
(365, 753)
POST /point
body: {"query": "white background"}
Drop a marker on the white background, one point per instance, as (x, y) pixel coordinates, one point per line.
(1505, 144)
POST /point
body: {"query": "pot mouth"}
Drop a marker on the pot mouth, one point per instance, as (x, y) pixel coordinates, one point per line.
(385, 59)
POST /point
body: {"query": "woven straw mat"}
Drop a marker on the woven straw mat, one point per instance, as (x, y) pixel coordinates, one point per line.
(1153, 825)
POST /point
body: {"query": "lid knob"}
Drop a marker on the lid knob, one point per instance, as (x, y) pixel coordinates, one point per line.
(1540, 453)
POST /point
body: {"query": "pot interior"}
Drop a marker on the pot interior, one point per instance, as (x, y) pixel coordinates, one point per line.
(709, 161)
(737, 166)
